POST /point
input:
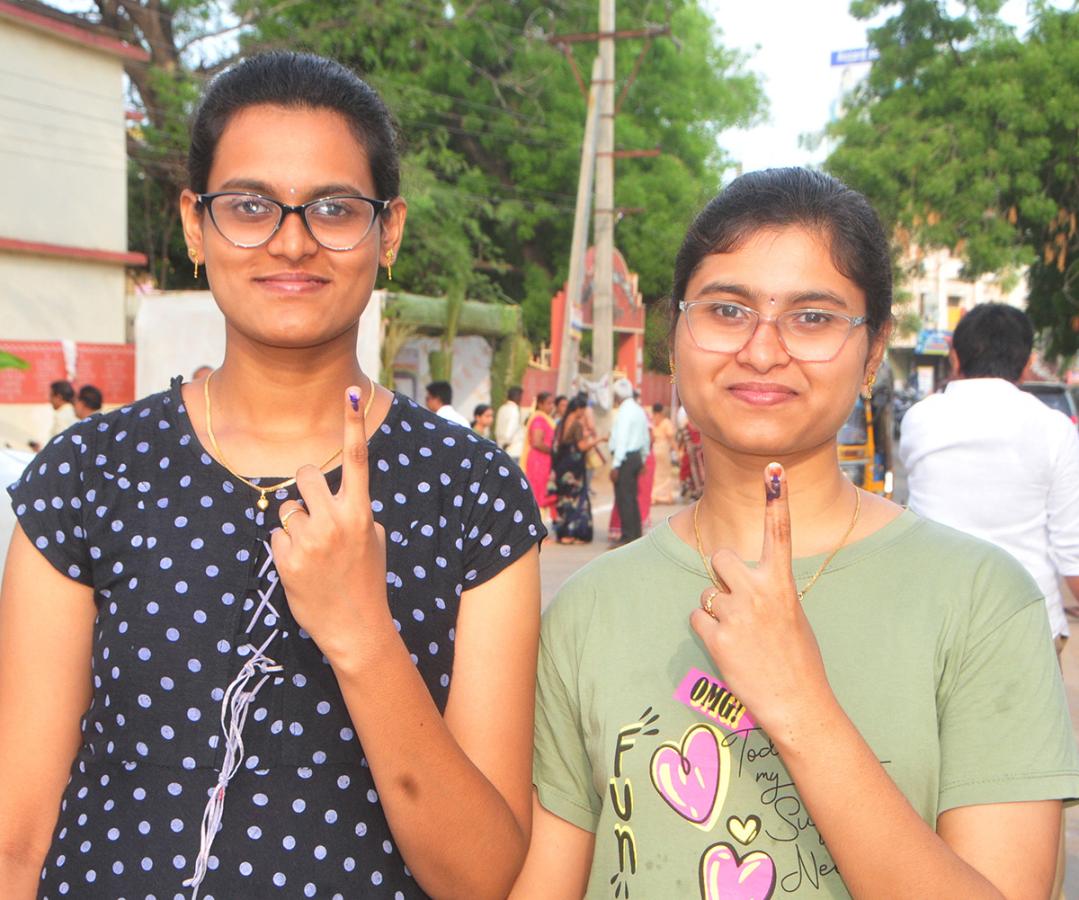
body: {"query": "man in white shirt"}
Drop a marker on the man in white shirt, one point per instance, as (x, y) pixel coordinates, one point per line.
(61, 398)
(994, 461)
(440, 401)
(629, 443)
(509, 424)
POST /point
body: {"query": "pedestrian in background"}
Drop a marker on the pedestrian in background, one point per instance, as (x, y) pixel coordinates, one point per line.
(691, 457)
(61, 399)
(794, 687)
(538, 455)
(439, 400)
(573, 523)
(482, 418)
(645, 484)
(994, 461)
(629, 443)
(88, 401)
(647, 480)
(509, 424)
(561, 402)
(663, 441)
(209, 688)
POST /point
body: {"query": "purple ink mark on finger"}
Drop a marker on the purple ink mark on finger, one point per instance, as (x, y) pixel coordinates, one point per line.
(773, 486)
(354, 399)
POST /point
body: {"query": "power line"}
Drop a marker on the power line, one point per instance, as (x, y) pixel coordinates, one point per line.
(22, 139)
(67, 89)
(55, 126)
(68, 162)
(91, 18)
(523, 118)
(119, 119)
(533, 197)
(501, 110)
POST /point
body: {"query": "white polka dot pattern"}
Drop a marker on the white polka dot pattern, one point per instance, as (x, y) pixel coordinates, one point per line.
(178, 557)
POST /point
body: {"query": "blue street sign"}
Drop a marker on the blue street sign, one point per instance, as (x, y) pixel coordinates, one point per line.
(856, 55)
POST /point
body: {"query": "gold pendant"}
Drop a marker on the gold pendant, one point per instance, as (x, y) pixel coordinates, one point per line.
(262, 503)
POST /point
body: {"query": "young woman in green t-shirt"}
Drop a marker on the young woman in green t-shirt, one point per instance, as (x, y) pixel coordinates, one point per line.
(781, 313)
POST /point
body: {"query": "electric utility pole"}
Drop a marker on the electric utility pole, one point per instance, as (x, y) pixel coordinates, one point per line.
(598, 151)
(603, 227)
(567, 359)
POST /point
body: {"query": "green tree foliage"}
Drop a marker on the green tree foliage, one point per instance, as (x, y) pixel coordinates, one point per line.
(492, 121)
(11, 361)
(966, 136)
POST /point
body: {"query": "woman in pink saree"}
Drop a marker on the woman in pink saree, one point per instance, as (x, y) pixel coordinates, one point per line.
(539, 447)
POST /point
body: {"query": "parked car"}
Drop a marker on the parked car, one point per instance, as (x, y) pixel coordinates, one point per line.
(1056, 396)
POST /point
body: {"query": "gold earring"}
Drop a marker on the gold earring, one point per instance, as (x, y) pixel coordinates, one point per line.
(389, 264)
(194, 257)
(670, 365)
(867, 391)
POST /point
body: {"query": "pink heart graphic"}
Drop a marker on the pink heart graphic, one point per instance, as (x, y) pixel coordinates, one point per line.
(726, 877)
(692, 777)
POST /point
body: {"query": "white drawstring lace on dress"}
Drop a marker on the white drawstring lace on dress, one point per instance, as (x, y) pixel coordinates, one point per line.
(234, 708)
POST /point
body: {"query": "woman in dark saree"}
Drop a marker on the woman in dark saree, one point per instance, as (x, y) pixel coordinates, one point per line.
(570, 472)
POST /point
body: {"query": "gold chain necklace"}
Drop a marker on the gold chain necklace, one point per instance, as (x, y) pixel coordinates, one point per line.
(262, 503)
(812, 581)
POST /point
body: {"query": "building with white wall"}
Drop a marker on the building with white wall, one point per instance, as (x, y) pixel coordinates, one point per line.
(63, 222)
(63, 179)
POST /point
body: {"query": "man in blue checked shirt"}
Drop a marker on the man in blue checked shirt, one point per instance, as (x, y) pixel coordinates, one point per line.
(629, 443)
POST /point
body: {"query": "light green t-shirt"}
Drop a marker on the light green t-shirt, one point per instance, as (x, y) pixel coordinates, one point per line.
(936, 645)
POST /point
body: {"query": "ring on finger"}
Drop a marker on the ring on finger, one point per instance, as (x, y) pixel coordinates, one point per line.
(289, 515)
(707, 604)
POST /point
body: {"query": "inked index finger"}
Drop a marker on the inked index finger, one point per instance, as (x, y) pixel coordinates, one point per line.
(354, 474)
(776, 552)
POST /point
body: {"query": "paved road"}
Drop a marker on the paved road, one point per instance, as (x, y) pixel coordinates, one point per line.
(557, 563)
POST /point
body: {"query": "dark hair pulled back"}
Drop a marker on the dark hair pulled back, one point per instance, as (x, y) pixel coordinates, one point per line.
(794, 197)
(296, 81)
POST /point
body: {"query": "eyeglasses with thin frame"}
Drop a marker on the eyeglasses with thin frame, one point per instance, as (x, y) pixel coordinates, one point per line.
(249, 220)
(808, 335)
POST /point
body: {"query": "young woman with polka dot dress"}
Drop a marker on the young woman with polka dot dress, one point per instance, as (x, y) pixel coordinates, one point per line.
(273, 632)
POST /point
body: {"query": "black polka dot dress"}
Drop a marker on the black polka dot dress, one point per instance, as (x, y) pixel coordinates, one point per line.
(213, 713)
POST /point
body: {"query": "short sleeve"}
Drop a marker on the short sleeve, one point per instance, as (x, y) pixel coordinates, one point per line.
(503, 521)
(562, 769)
(1005, 732)
(48, 501)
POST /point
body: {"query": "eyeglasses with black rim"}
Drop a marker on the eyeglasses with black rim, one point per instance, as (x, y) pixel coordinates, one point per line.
(249, 220)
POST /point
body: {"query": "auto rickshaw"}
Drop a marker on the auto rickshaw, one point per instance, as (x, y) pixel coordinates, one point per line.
(865, 447)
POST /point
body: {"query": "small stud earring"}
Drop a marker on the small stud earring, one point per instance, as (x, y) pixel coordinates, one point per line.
(389, 264)
(194, 257)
